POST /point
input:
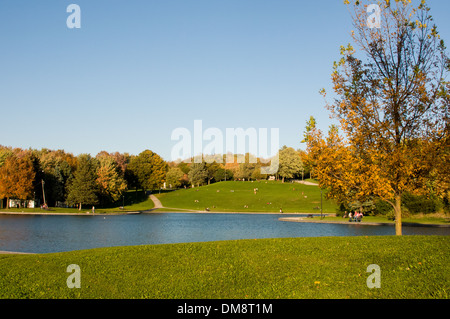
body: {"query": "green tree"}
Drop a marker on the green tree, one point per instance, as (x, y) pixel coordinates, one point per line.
(55, 170)
(149, 170)
(246, 170)
(83, 187)
(290, 163)
(256, 174)
(174, 177)
(184, 167)
(211, 169)
(223, 174)
(198, 174)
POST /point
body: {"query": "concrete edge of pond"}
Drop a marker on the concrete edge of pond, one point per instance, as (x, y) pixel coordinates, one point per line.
(307, 220)
(3, 252)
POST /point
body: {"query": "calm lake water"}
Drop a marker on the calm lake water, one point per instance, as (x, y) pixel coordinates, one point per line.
(46, 234)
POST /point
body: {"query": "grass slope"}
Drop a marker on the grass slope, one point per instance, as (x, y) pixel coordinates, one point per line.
(232, 196)
(411, 267)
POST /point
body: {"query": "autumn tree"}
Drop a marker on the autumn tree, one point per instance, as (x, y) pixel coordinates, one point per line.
(17, 176)
(83, 187)
(5, 152)
(111, 184)
(310, 125)
(392, 106)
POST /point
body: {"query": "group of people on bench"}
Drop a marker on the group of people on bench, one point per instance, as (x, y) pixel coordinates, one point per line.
(355, 217)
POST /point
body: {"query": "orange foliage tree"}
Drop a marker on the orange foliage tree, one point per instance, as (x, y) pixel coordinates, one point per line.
(392, 106)
(17, 176)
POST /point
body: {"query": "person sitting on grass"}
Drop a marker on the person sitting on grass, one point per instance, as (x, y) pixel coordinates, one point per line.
(360, 216)
(350, 217)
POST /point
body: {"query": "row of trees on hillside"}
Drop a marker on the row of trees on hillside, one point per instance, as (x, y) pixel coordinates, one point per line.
(289, 161)
(56, 177)
(59, 178)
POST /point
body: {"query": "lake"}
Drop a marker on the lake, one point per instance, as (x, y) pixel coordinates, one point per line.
(47, 234)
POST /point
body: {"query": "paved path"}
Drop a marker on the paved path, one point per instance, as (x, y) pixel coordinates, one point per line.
(13, 252)
(307, 183)
(156, 201)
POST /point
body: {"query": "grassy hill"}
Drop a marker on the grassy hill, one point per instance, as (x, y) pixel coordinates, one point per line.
(238, 196)
(411, 267)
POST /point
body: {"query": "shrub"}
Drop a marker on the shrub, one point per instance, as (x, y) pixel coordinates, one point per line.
(382, 207)
(421, 204)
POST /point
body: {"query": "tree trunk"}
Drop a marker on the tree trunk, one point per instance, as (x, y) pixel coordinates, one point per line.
(398, 214)
(79, 207)
(7, 202)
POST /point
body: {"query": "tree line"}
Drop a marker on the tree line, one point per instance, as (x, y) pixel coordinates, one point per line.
(243, 167)
(56, 178)
(59, 178)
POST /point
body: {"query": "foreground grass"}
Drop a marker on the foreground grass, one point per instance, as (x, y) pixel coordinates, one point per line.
(237, 196)
(335, 267)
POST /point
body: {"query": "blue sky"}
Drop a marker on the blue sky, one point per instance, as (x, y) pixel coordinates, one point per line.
(137, 70)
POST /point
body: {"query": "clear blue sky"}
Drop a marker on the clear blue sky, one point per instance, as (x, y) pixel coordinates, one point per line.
(136, 70)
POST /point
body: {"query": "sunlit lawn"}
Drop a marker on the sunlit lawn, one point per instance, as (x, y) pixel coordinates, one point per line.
(327, 267)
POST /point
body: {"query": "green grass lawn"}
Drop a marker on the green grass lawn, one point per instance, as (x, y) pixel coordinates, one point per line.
(232, 196)
(411, 267)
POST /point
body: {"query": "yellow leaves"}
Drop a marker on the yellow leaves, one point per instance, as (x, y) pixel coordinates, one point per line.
(341, 169)
(349, 50)
(419, 24)
(323, 92)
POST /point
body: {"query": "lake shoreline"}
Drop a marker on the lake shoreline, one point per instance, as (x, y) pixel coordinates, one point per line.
(346, 222)
(68, 214)
(153, 211)
(4, 252)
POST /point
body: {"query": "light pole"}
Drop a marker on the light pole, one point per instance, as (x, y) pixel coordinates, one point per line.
(43, 192)
(321, 205)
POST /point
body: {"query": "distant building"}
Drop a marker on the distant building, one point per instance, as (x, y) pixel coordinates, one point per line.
(18, 203)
